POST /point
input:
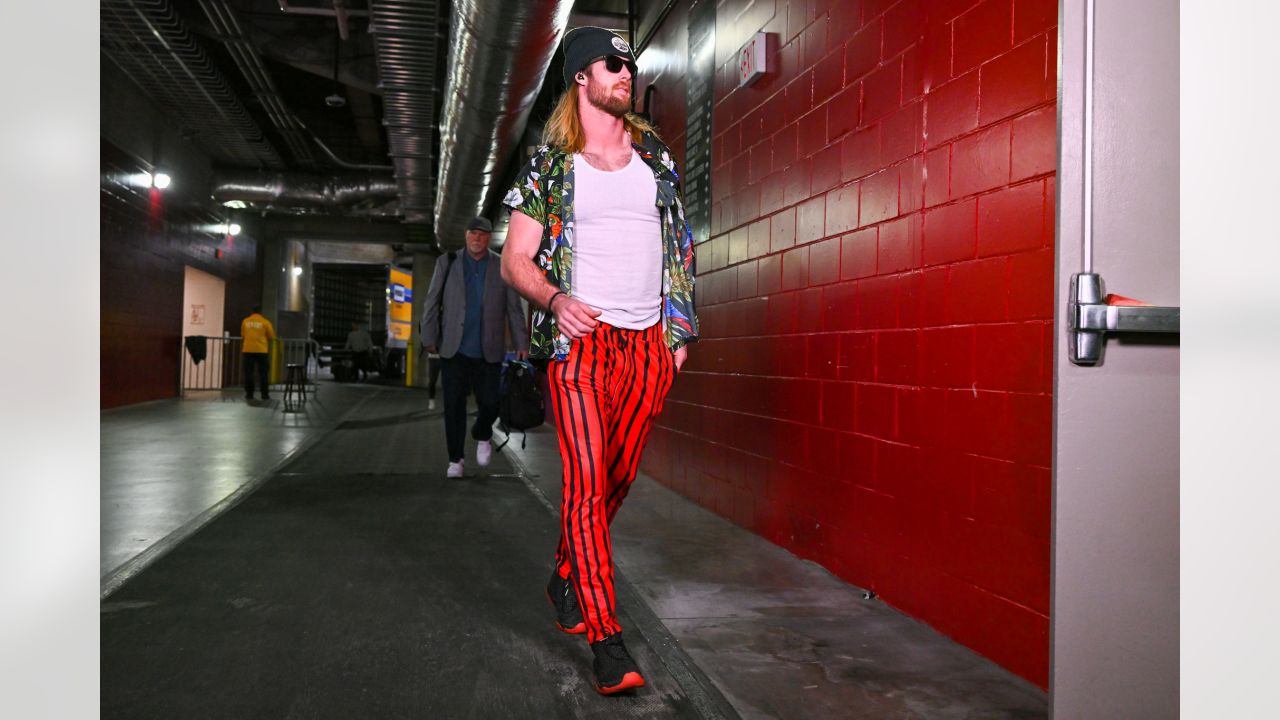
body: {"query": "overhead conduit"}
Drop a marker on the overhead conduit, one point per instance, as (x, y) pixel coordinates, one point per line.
(499, 57)
(407, 38)
(287, 188)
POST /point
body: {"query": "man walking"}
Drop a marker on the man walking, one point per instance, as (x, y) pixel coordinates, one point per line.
(599, 241)
(467, 305)
(360, 343)
(257, 332)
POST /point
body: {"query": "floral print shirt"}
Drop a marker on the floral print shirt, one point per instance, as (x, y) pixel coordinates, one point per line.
(544, 191)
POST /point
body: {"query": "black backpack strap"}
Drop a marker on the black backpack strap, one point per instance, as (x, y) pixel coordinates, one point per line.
(453, 255)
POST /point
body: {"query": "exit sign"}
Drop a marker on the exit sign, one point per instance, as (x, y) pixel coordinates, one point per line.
(753, 60)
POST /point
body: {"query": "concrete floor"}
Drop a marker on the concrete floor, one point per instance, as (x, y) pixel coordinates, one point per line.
(357, 583)
(770, 635)
(781, 637)
(166, 463)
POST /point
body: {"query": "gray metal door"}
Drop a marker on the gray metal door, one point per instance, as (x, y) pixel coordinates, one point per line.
(1114, 611)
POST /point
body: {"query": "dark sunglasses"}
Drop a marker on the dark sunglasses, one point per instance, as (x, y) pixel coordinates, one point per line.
(614, 64)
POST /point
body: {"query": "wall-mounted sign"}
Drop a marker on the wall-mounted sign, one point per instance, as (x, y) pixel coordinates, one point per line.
(399, 307)
(401, 294)
(753, 59)
(197, 314)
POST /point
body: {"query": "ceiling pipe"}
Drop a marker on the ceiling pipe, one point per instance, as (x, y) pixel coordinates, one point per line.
(499, 55)
(340, 11)
(303, 189)
(354, 212)
(285, 7)
(337, 160)
(409, 43)
(224, 22)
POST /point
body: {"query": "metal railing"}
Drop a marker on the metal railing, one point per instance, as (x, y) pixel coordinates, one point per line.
(222, 366)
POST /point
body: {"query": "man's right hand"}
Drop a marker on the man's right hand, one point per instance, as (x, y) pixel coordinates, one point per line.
(574, 317)
(431, 349)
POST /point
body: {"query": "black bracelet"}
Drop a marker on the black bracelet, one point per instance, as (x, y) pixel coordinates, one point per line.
(552, 300)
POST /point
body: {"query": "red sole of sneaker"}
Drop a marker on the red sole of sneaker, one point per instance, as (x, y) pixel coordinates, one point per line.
(630, 680)
(578, 629)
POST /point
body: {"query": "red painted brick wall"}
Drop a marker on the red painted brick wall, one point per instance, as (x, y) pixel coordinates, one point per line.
(873, 386)
(144, 245)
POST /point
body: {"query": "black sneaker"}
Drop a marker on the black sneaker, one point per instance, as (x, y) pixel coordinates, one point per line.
(615, 670)
(568, 614)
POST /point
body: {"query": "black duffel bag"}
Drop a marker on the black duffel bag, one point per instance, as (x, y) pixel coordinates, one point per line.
(520, 405)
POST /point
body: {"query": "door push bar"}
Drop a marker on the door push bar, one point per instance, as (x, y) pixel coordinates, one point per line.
(1094, 314)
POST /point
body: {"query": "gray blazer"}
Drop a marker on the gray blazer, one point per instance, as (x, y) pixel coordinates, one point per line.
(501, 303)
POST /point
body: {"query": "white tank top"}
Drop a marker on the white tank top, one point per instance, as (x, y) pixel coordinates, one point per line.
(617, 245)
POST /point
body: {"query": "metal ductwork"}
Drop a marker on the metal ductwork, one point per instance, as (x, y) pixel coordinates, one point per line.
(153, 46)
(499, 55)
(301, 189)
(224, 22)
(408, 40)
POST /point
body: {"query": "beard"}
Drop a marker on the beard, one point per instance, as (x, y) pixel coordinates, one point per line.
(602, 96)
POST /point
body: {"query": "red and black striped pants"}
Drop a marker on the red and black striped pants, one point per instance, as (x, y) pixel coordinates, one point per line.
(605, 397)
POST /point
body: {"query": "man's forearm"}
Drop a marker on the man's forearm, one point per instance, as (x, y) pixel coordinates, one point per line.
(525, 277)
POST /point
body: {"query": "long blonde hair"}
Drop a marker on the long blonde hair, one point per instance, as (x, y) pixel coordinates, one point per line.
(564, 128)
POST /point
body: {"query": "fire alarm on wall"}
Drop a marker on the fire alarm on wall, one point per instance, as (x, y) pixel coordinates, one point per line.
(217, 253)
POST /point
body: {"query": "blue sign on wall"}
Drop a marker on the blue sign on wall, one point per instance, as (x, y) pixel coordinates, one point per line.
(400, 293)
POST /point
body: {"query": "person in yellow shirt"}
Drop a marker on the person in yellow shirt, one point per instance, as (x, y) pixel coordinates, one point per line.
(257, 332)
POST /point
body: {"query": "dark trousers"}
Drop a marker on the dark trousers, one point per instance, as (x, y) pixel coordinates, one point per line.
(433, 376)
(362, 362)
(460, 375)
(255, 366)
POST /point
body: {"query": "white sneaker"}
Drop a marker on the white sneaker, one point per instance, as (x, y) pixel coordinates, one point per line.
(484, 451)
(455, 470)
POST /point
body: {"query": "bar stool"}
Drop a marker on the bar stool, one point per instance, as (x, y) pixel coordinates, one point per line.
(295, 385)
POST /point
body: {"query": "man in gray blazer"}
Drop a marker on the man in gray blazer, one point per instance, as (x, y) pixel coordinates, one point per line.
(469, 309)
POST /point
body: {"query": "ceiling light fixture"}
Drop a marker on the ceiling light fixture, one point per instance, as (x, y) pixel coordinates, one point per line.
(233, 229)
(297, 271)
(161, 180)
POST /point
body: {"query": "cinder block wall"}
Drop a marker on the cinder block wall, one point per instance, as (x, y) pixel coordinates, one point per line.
(873, 386)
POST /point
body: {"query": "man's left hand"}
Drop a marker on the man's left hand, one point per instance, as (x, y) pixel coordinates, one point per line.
(522, 354)
(681, 355)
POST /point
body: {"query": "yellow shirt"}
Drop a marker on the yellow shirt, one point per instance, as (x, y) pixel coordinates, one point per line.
(256, 331)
